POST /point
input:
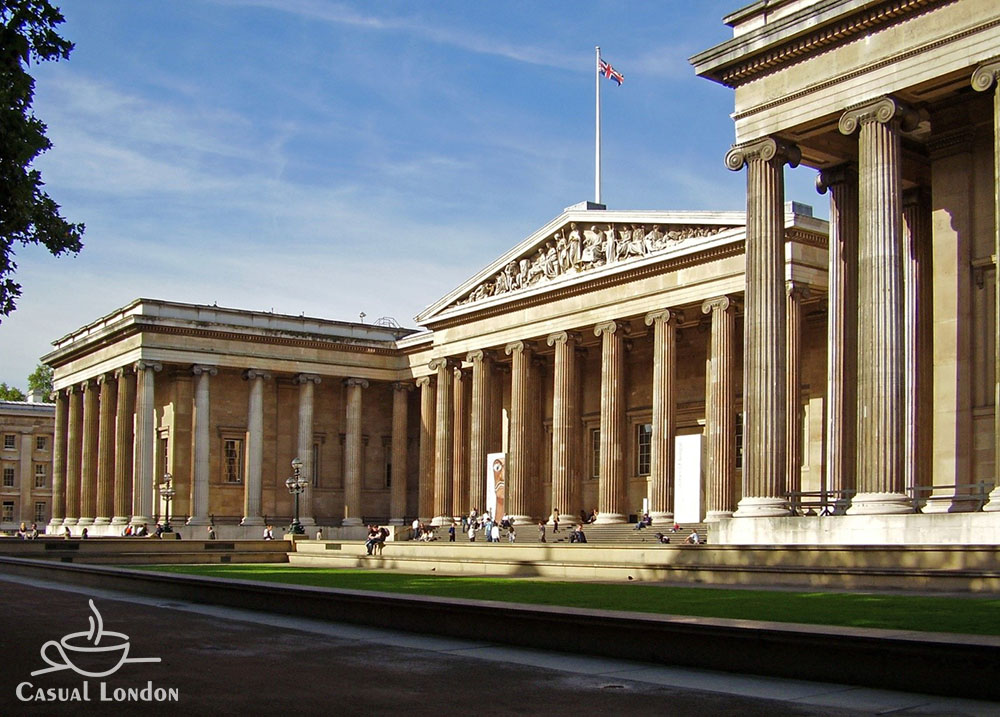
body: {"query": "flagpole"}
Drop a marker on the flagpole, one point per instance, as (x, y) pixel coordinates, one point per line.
(597, 140)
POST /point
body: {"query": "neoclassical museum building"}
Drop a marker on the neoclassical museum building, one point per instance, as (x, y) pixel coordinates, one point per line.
(782, 378)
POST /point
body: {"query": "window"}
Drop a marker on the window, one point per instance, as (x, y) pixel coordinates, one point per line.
(7, 516)
(739, 440)
(8, 477)
(9, 441)
(40, 475)
(387, 460)
(595, 453)
(643, 448)
(316, 465)
(232, 460)
(40, 512)
(39, 443)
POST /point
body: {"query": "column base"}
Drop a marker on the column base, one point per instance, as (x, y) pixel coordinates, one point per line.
(610, 518)
(880, 504)
(304, 521)
(714, 516)
(661, 517)
(54, 527)
(350, 522)
(396, 521)
(761, 508)
(102, 521)
(70, 521)
(85, 522)
(950, 505)
(120, 520)
(441, 520)
(519, 520)
(199, 520)
(993, 504)
(252, 520)
(141, 520)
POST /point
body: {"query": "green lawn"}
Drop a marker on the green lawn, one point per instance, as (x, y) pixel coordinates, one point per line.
(972, 615)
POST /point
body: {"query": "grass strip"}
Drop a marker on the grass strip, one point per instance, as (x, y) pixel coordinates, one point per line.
(967, 615)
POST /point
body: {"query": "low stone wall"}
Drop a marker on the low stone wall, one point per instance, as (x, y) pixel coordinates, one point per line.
(957, 665)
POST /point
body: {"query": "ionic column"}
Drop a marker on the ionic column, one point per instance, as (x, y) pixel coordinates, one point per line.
(764, 400)
(661, 458)
(145, 435)
(460, 443)
(255, 448)
(88, 464)
(124, 445)
(353, 452)
(74, 452)
(106, 451)
(566, 486)
(202, 444)
(425, 487)
(517, 492)
(793, 387)
(985, 77)
(59, 462)
(400, 416)
(720, 410)
(442, 441)
(842, 331)
(611, 489)
(482, 421)
(881, 407)
(304, 447)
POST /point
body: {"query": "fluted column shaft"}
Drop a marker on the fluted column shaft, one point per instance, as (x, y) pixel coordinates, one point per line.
(984, 78)
(764, 390)
(611, 488)
(661, 458)
(460, 442)
(400, 418)
(88, 464)
(881, 407)
(106, 451)
(720, 410)
(304, 445)
(425, 489)
(481, 425)
(255, 449)
(443, 449)
(202, 444)
(793, 360)
(59, 460)
(145, 435)
(842, 330)
(916, 274)
(124, 445)
(74, 451)
(353, 452)
(566, 487)
(517, 498)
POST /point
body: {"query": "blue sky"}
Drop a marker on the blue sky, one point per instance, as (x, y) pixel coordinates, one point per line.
(334, 158)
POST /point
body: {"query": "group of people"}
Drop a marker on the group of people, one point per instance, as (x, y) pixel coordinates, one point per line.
(26, 533)
(473, 523)
(376, 536)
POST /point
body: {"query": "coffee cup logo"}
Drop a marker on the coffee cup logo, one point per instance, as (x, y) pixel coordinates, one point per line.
(92, 653)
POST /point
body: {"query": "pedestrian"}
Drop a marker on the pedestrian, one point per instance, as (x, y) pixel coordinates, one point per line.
(555, 521)
(319, 533)
(211, 532)
(472, 532)
(451, 532)
(511, 533)
(495, 533)
(541, 532)
(416, 529)
(268, 532)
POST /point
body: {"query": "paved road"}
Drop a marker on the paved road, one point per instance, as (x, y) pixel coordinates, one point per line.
(223, 661)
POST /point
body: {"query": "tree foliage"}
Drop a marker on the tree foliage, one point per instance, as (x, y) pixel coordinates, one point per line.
(41, 380)
(27, 214)
(10, 393)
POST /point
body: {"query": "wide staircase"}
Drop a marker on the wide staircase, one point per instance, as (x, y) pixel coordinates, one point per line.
(615, 534)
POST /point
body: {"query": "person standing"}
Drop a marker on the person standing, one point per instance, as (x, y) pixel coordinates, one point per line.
(555, 521)
(495, 533)
(541, 531)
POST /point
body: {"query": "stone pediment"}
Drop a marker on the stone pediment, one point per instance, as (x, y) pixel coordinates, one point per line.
(580, 244)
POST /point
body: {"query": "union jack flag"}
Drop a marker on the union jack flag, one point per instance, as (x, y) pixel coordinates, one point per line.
(611, 73)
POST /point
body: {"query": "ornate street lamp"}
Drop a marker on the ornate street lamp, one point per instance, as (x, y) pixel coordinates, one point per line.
(296, 485)
(167, 493)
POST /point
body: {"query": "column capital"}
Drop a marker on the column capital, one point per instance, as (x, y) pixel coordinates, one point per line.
(253, 373)
(104, 378)
(443, 362)
(480, 355)
(883, 110)
(461, 373)
(719, 303)
(518, 347)
(611, 327)
(402, 386)
(307, 378)
(199, 369)
(667, 316)
(835, 176)
(362, 382)
(143, 364)
(796, 289)
(765, 149)
(424, 381)
(87, 384)
(123, 371)
(986, 75)
(562, 337)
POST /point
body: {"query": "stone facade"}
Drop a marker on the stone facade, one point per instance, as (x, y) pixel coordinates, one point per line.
(26, 463)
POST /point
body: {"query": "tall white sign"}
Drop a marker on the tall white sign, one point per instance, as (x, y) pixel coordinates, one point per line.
(687, 479)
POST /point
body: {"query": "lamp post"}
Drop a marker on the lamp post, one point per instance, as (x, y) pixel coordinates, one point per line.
(296, 485)
(167, 493)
